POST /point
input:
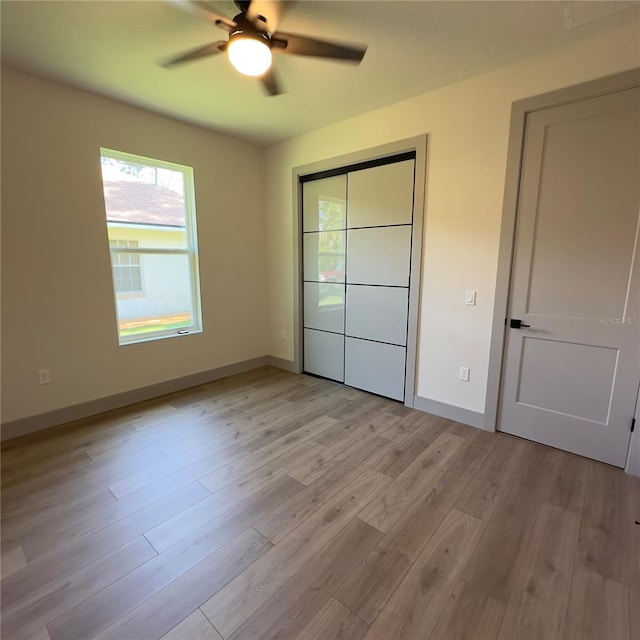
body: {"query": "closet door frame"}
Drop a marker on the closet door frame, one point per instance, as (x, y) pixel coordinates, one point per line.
(418, 145)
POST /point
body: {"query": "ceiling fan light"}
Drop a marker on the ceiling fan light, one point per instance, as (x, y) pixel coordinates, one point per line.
(249, 56)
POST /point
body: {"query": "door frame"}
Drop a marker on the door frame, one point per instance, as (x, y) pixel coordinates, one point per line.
(519, 112)
(418, 145)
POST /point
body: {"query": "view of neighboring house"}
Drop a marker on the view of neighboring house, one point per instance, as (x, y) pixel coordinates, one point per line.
(149, 287)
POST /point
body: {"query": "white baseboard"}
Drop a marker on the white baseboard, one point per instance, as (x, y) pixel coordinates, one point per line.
(450, 411)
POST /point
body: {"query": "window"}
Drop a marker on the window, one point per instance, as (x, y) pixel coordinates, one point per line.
(151, 224)
(127, 274)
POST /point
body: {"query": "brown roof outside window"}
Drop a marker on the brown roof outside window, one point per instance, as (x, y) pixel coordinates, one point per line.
(142, 203)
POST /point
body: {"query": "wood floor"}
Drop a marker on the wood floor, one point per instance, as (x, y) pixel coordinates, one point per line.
(271, 505)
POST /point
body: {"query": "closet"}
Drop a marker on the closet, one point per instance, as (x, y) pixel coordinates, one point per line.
(357, 230)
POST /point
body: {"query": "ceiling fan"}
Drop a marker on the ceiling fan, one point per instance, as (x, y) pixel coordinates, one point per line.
(250, 45)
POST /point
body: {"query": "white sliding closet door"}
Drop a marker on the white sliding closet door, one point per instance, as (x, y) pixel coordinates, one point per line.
(357, 233)
(379, 225)
(323, 247)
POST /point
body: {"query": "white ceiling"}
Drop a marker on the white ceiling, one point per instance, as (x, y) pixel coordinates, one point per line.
(114, 47)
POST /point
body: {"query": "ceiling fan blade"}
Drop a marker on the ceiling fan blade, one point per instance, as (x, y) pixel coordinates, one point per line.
(206, 12)
(270, 83)
(304, 46)
(211, 49)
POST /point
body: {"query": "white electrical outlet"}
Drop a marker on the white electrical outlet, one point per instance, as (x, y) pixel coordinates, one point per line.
(464, 374)
(44, 376)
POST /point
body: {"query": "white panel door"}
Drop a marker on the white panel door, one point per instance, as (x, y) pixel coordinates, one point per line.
(571, 376)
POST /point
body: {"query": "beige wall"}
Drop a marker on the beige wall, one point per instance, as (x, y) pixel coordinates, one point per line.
(57, 297)
(468, 126)
(57, 301)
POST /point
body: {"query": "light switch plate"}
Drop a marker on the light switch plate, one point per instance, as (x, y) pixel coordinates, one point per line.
(470, 298)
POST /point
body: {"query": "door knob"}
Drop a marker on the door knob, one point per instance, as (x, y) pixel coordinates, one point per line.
(518, 324)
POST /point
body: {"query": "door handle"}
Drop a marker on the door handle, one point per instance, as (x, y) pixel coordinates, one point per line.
(518, 324)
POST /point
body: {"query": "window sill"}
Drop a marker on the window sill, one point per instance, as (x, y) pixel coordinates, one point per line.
(151, 337)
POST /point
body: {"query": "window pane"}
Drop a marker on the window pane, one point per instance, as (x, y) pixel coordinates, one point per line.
(140, 197)
(167, 302)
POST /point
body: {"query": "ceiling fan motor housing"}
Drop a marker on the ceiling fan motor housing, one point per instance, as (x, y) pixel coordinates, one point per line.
(250, 45)
(250, 27)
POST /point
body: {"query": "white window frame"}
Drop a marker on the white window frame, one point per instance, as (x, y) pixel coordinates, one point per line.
(191, 250)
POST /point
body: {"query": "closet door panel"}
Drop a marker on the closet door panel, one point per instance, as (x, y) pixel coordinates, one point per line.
(377, 313)
(324, 306)
(324, 256)
(324, 204)
(324, 354)
(379, 256)
(375, 367)
(381, 195)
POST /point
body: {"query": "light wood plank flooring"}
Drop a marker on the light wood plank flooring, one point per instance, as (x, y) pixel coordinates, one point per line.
(273, 505)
